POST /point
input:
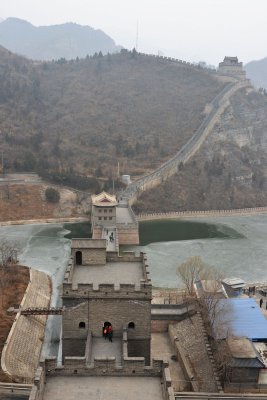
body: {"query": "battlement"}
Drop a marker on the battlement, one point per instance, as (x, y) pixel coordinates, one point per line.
(143, 290)
(126, 273)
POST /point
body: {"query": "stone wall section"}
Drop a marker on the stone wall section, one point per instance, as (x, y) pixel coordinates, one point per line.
(208, 213)
(128, 235)
(21, 353)
(91, 256)
(169, 168)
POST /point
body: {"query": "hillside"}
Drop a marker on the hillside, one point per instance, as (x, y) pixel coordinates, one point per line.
(74, 121)
(28, 201)
(53, 42)
(257, 72)
(229, 171)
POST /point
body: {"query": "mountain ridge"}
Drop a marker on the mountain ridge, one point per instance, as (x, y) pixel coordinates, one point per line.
(257, 72)
(69, 40)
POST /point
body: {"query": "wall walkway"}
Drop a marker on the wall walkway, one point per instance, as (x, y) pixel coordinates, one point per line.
(169, 168)
(209, 213)
(21, 352)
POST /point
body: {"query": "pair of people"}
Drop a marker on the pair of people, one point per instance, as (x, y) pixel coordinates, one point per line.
(108, 332)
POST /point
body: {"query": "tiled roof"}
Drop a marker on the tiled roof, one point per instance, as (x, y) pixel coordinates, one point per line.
(104, 199)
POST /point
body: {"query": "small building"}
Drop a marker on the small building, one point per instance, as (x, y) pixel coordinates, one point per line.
(233, 286)
(126, 179)
(232, 67)
(245, 363)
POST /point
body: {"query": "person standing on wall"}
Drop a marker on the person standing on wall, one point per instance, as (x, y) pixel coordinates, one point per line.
(110, 333)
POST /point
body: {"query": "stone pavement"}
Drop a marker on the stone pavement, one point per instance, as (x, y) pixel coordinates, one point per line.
(123, 215)
(106, 233)
(105, 348)
(22, 350)
(161, 347)
(102, 388)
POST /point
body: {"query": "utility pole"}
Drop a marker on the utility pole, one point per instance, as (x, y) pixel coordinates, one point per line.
(2, 157)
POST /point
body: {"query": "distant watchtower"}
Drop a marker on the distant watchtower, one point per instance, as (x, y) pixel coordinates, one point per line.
(104, 209)
(232, 67)
(112, 217)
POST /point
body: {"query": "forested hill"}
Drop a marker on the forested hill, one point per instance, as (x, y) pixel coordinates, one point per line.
(67, 40)
(80, 118)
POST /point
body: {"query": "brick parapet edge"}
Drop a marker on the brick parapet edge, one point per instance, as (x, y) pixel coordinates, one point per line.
(12, 330)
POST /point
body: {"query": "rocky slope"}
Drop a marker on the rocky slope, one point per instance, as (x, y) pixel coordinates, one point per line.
(28, 201)
(229, 171)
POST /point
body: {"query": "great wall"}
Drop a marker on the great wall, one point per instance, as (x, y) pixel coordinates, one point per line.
(206, 213)
(169, 168)
(107, 365)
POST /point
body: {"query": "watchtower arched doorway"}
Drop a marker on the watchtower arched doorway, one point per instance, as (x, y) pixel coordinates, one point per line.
(79, 258)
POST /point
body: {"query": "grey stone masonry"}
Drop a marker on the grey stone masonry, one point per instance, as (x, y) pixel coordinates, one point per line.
(118, 292)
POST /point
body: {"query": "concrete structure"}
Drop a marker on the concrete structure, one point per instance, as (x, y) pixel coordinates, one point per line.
(126, 179)
(101, 287)
(232, 67)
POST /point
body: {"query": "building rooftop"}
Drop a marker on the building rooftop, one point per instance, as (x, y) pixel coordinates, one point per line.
(88, 243)
(104, 199)
(235, 283)
(240, 317)
(241, 347)
(111, 273)
(244, 353)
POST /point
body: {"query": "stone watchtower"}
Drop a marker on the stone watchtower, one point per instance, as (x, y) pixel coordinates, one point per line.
(102, 288)
(103, 210)
(232, 67)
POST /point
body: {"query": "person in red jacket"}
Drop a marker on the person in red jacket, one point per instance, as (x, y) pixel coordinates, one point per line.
(110, 333)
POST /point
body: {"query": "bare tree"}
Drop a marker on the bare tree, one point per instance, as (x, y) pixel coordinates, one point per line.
(8, 253)
(190, 271)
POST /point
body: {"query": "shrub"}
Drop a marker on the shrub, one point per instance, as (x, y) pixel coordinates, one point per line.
(52, 195)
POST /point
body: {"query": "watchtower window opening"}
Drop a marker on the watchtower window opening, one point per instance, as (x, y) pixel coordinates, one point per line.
(79, 258)
(82, 325)
(131, 325)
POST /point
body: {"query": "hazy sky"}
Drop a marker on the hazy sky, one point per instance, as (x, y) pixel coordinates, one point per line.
(192, 30)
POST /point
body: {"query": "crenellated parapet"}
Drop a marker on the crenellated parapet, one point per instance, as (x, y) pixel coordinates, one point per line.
(123, 290)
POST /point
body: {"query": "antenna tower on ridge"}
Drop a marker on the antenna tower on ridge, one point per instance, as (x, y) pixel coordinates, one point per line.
(137, 36)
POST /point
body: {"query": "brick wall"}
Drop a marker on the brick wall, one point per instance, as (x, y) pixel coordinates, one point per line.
(128, 235)
(94, 312)
(91, 256)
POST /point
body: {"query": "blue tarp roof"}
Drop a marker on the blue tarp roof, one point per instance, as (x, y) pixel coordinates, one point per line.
(240, 317)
